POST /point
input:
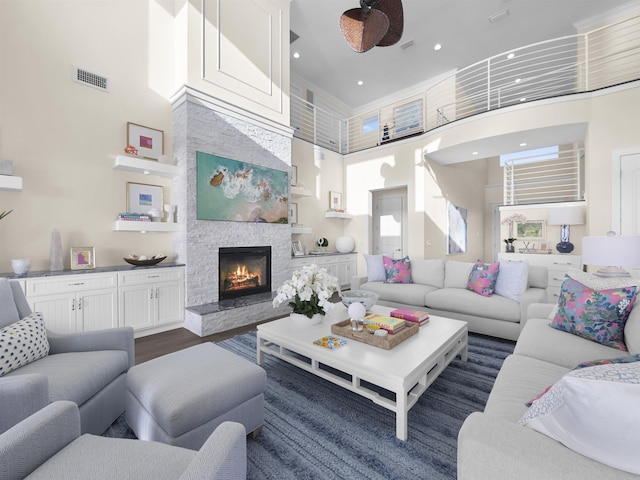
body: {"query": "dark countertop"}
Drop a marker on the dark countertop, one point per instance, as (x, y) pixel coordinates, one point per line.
(118, 268)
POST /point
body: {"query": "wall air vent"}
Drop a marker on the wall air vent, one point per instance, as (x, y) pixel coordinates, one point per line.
(90, 79)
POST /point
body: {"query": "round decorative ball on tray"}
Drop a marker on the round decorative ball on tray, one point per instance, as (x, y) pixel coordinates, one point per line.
(143, 260)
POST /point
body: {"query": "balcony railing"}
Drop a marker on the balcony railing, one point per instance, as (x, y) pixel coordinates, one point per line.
(601, 58)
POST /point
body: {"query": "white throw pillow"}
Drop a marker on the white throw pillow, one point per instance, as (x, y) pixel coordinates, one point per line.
(375, 268)
(594, 411)
(456, 274)
(512, 279)
(23, 342)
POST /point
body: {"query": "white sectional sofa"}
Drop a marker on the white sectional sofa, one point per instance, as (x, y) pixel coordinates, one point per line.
(595, 415)
(441, 288)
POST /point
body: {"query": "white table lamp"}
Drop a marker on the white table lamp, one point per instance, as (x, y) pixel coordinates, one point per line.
(612, 252)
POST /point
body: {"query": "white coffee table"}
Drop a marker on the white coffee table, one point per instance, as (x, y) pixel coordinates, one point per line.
(406, 370)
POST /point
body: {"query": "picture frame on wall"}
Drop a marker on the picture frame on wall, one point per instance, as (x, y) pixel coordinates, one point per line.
(148, 141)
(531, 230)
(296, 248)
(83, 258)
(294, 176)
(456, 229)
(335, 200)
(293, 213)
(142, 197)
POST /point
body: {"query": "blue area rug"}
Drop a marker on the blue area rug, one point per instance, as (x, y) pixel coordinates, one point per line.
(317, 430)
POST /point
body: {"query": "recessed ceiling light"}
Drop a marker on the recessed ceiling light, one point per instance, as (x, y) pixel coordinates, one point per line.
(474, 153)
(296, 55)
(437, 46)
(360, 82)
(518, 80)
(523, 99)
(511, 55)
(523, 144)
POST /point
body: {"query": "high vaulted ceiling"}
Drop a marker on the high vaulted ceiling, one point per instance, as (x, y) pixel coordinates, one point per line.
(462, 27)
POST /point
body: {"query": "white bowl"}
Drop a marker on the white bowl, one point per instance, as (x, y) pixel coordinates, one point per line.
(368, 299)
(20, 265)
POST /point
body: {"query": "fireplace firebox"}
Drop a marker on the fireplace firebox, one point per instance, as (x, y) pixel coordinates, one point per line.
(244, 271)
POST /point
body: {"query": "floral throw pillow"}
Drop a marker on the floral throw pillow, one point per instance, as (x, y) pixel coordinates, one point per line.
(483, 278)
(397, 271)
(598, 315)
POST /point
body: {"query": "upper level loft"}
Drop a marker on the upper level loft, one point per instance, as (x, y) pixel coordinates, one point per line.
(601, 58)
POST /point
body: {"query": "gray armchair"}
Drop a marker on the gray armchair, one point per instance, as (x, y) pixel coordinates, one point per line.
(48, 445)
(87, 368)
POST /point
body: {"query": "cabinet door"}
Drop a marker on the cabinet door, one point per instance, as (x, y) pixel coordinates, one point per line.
(170, 302)
(136, 306)
(98, 309)
(59, 312)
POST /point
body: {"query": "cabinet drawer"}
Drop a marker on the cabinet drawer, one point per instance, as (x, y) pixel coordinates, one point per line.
(556, 277)
(143, 277)
(70, 283)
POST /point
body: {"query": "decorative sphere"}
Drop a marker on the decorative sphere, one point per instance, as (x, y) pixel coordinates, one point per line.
(345, 244)
(357, 311)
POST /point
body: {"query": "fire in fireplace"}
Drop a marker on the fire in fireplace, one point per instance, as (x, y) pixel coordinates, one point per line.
(244, 271)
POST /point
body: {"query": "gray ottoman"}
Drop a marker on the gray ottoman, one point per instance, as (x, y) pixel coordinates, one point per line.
(180, 398)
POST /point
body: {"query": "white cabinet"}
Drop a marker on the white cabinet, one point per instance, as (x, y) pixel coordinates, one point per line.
(151, 299)
(75, 303)
(341, 266)
(557, 265)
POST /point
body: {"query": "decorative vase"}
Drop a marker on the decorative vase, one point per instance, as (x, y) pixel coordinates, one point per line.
(345, 244)
(300, 319)
(510, 248)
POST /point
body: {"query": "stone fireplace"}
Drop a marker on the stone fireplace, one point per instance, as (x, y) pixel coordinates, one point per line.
(203, 127)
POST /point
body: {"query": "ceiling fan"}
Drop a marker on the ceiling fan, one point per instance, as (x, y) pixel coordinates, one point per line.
(375, 23)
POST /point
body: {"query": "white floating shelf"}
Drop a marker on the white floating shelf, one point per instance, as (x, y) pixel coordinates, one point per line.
(300, 230)
(129, 226)
(9, 182)
(147, 167)
(300, 192)
(338, 215)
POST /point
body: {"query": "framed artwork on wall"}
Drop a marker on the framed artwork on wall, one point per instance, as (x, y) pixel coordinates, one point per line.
(335, 200)
(456, 229)
(293, 213)
(294, 176)
(142, 197)
(531, 230)
(148, 141)
(83, 258)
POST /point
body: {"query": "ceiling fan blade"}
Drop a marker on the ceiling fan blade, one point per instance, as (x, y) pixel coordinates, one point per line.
(363, 30)
(394, 11)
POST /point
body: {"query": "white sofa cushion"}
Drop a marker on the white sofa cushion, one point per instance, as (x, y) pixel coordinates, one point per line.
(23, 342)
(456, 274)
(594, 412)
(632, 331)
(512, 279)
(465, 301)
(403, 293)
(428, 272)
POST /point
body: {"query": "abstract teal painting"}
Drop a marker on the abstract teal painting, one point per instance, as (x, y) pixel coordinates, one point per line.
(236, 191)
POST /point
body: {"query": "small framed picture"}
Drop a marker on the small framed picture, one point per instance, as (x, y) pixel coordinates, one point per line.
(148, 141)
(142, 197)
(335, 200)
(296, 248)
(544, 246)
(293, 213)
(83, 258)
(531, 230)
(294, 175)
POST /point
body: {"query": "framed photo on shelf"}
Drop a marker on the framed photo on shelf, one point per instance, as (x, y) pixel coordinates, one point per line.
(335, 200)
(83, 258)
(293, 213)
(142, 197)
(294, 176)
(543, 246)
(296, 248)
(531, 230)
(148, 141)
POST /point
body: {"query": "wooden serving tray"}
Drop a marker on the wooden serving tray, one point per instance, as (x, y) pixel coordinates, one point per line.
(387, 342)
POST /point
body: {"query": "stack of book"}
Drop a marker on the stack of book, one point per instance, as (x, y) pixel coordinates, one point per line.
(134, 217)
(390, 324)
(411, 315)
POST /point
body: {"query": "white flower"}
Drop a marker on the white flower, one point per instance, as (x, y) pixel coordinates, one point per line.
(308, 290)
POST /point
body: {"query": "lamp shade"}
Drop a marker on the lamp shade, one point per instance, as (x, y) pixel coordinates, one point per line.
(566, 216)
(611, 251)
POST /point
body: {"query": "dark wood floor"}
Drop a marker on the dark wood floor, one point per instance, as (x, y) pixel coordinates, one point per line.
(153, 346)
